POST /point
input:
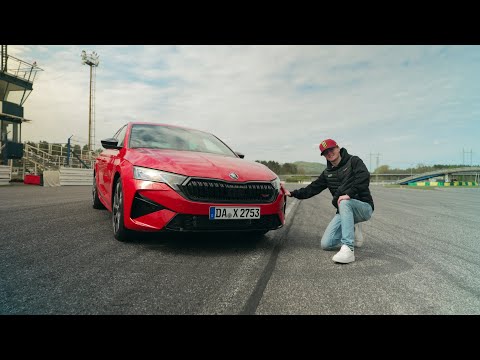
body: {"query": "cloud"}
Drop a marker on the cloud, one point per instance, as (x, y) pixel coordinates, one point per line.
(270, 102)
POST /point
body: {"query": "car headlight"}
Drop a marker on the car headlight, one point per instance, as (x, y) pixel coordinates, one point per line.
(276, 183)
(172, 180)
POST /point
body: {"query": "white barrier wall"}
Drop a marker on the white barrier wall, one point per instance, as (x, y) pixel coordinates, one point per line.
(75, 176)
(51, 178)
(5, 175)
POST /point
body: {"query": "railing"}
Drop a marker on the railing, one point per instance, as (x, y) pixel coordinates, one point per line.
(21, 69)
(41, 157)
(374, 178)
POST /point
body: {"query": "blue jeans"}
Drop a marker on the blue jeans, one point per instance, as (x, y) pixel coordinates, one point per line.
(340, 231)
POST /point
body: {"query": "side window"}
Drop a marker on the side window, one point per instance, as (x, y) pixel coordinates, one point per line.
(120, 135)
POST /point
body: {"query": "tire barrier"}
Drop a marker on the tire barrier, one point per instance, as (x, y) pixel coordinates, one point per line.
(444, 184)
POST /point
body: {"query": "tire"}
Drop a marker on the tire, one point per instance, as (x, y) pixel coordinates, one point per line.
(119, 231)
(96, 203)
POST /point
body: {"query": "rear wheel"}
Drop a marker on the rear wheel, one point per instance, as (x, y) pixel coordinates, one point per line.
(96, 203)
(119, 231)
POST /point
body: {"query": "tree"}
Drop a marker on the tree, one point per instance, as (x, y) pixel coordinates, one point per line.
(272, 165)
(383, 169)
(288, 168)
(43, 145)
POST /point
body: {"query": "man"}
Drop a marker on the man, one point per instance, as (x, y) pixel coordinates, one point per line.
(348, 179)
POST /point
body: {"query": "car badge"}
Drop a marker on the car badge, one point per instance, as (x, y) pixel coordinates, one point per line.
(233, 176)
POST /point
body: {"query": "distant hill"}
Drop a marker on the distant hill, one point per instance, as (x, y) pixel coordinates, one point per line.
(310, 168)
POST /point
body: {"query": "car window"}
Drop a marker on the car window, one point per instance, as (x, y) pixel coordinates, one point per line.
(173, 138)
(210, 146)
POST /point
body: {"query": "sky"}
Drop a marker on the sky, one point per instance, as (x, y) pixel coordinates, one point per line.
(394, 105)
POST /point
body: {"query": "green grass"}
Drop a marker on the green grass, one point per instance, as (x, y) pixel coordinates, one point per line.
(294, 179)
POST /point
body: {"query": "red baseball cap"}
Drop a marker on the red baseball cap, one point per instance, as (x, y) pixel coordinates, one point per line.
(327, 144)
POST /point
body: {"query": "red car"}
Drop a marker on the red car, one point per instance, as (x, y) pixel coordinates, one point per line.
(158, 177)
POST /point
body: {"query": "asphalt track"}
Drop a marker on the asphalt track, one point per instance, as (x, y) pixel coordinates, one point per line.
(421, 256)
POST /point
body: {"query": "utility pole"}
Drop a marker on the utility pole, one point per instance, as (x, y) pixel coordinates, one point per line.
(378, 156)
(467, 152)
(378, 163)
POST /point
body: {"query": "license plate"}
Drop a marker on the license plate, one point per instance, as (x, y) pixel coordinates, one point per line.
(233, 213)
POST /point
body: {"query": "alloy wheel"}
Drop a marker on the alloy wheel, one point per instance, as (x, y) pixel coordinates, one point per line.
(117, 207)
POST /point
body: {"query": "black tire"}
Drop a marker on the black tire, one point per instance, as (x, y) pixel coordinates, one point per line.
(119, 231)
(96, 203)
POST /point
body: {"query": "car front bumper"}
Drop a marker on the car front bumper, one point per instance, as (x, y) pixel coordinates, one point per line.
(151, 206)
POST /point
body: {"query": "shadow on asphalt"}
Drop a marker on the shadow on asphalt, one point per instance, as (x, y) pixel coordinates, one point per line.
(210, 242)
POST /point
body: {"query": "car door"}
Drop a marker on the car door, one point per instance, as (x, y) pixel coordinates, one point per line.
(107, 166)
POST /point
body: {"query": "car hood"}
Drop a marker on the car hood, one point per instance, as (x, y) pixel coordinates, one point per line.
(197, 164)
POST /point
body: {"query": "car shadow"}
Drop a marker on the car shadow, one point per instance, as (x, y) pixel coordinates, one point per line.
(187, 243)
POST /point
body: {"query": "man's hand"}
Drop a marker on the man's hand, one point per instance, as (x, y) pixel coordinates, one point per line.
(282, 184)
(343, 197)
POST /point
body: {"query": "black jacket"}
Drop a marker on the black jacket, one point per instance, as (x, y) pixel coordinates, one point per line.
(350, 177)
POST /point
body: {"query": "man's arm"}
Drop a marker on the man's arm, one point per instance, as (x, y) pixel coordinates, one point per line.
(316, 187)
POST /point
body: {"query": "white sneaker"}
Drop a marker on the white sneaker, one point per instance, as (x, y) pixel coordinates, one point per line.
(359, 240)
(344, 256)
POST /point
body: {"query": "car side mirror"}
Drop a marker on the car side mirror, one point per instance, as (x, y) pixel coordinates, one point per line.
(110, 143)
(240, 155)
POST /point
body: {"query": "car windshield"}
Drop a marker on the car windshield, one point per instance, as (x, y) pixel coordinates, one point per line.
(174, 138)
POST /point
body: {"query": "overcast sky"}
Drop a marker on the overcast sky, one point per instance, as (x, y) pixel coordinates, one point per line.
(410, 104)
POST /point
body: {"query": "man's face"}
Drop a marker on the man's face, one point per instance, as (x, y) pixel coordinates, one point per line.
(332, 154)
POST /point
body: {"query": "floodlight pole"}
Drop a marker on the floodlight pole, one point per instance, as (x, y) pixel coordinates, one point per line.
(92, 61)
(90, 112)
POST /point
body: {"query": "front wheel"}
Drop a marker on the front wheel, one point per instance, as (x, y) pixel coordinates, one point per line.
(119, 231)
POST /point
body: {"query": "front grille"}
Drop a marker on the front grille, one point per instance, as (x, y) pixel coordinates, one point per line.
(182, 222)
(217, 191)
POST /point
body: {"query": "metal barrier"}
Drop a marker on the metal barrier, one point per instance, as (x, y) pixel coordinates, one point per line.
(75, 176)
(5, 175)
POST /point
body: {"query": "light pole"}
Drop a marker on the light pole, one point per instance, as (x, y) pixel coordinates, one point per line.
(92, 61)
